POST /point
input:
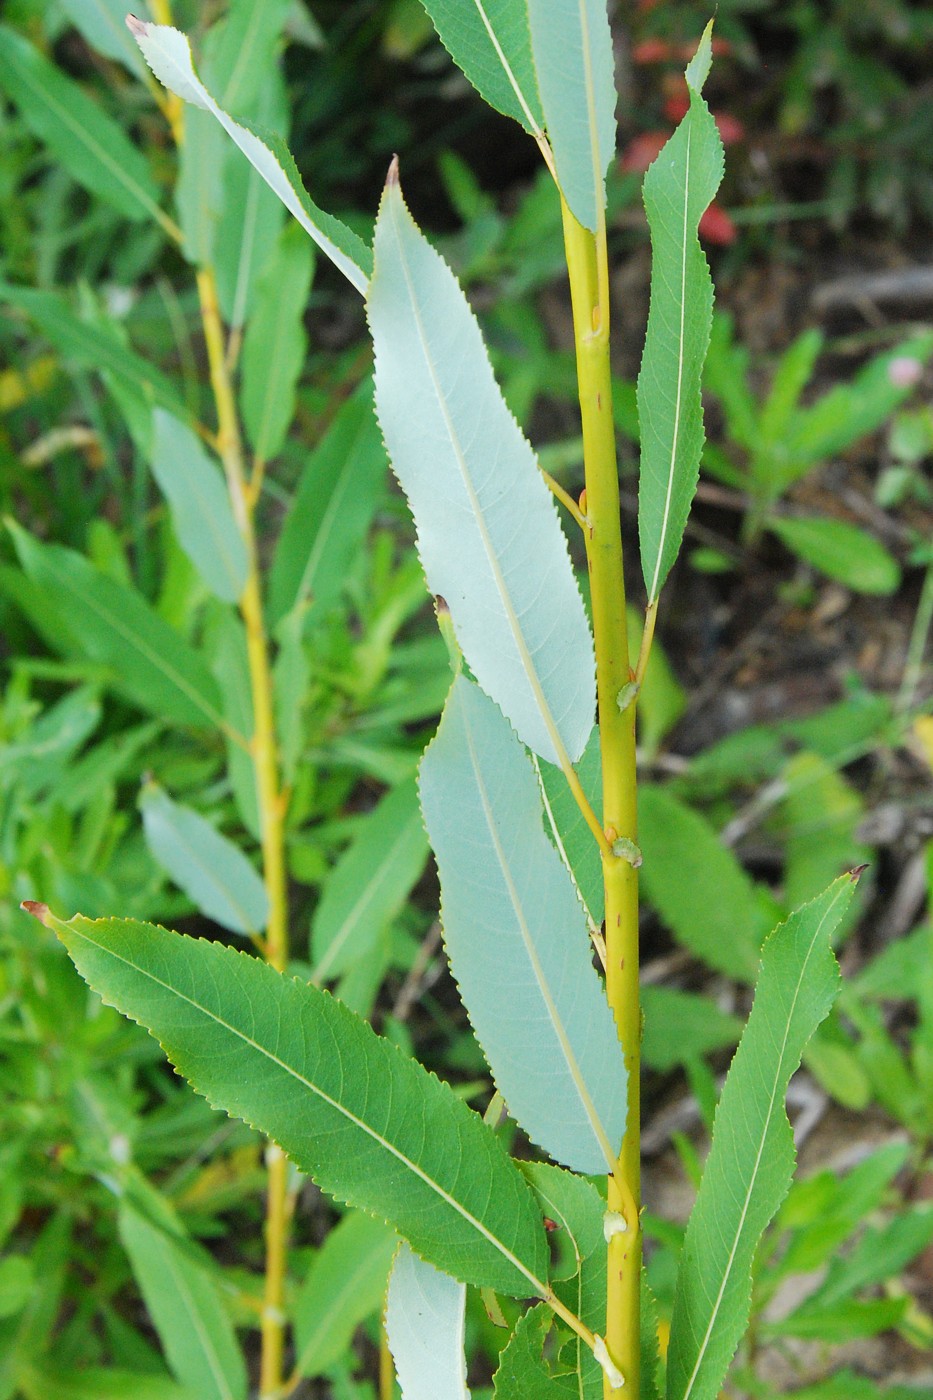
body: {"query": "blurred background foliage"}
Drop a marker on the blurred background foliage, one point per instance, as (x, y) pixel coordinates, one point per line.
(786, 727)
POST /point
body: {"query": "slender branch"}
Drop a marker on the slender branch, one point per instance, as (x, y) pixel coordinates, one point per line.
(565, 498)
(264, 753)
(647, 637)
(587, 265)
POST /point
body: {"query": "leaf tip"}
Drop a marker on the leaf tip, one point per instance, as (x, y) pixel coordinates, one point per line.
(392, 176)
(856, 874)
(137, 27)
(698, 68)
(37, 909)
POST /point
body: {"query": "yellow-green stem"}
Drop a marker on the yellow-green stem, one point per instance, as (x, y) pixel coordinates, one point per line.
(589, 287)
(264, 752)
(263, 749)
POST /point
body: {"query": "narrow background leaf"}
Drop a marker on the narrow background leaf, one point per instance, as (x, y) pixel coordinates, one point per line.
(345, 1284)
(751, 1162)
(332, 510)
(193, 484)
(275, 344)
(677, 191)
(425, 1326)
(213, 872)
(508, 903)
(103, 24)
(488, 532)
(370, 882)
(84, 140)
(147, 660)
(841, 551)
(187, 1311)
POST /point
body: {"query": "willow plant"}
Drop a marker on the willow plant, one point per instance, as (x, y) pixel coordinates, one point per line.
(518, 790)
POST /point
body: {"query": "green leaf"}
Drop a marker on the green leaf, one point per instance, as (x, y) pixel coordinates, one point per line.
(82, 138)
(791, 378)
(847, 1385)
(345, 1284)
(574, 63)
(578, 1211)
(523, 1373)
(490, 42)
(567, 828)
(697, 886)
(488, 532)
(199, 187)
(275, 344)
(508, 903)
(250, 217)
(751, 1162)
(186, 1309)
(881, 1254)
(841, 551)
(369, 1125)
(214, 874)
(425, 1323)
(229, 663)
(16, 1283)
(677, 191)
(103, 25)
(840, 1322)
(42, 1381)
(850, 411)
(94, 347)
(193, 484)
(336, 499)
(820, 814)
(291, 678)
(370, 882)
(169, 56)
(149, 661)
(681, 1025)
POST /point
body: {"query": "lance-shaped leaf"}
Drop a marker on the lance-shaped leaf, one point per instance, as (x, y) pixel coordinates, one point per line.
(84, 140)
(168, 54)
(94, 616)
(523, 1373)
(369, 1125)
(185, 1305)
(488, 533)
(508, 904)
(677, 191)
(346, 1282)
(103, 25)
(425, 1320)
(275, 344)
(751, 1161)
(573, 57)
(193, 484)
(490, 42)
(213, 872)
(336, 498)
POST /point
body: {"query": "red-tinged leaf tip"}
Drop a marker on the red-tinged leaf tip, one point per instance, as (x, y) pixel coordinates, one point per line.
(37, 909)
(856, 874)
(137, 27)
(392, 177)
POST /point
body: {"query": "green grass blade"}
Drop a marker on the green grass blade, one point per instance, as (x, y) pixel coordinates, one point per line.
(369, 1125)
(508, 902)
(168, 54)
(573, 57)
(490, 42)
(193, 484)
(488, 532)
(678, 189)
(751, 1162)
(83, 139)
(425, 1325)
